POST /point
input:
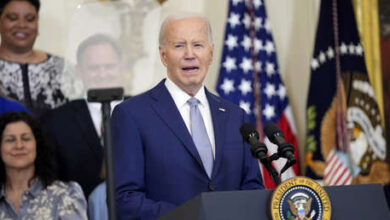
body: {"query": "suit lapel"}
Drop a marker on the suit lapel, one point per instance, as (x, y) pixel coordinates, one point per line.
(87, 128)
(165, 107)
(219, 115)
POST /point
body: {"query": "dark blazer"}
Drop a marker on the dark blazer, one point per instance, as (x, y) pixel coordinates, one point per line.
(157, 166)
(79, 152)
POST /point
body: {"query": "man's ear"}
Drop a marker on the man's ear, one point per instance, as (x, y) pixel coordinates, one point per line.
(163, 55)
(211, 53)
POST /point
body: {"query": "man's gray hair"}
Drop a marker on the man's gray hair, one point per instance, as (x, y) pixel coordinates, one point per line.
(180, 16)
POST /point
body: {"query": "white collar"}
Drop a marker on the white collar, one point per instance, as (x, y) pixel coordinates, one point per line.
(180, 97)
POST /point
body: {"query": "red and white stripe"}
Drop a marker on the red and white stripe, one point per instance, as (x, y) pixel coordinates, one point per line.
(336, 171)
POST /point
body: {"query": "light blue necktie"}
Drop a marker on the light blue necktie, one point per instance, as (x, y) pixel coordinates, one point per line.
(200, 137)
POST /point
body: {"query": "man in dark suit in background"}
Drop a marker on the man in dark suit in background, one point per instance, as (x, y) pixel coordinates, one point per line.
(75, 128)
(178, 140)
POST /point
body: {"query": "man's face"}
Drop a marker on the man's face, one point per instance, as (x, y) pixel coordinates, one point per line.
(187, 53)
(100, 67)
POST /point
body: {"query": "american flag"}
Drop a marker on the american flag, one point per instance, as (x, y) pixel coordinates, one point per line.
(345, 138)
(249, 75)
(337, 171)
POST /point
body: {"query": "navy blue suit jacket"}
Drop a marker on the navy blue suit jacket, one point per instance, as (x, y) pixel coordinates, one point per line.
(157, 166)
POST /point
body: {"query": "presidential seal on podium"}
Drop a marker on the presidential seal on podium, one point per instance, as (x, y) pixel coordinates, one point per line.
(300, 198)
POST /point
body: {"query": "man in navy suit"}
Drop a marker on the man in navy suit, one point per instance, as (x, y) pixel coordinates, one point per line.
(75, 128)
(158, 164)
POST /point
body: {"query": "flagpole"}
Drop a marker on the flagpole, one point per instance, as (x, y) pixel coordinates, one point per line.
(256, 80)
(342, 137)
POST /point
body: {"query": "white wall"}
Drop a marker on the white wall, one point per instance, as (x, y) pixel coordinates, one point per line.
(293, 23)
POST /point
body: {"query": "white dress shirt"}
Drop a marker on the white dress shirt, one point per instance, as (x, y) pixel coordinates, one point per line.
(180, 98)
(95, 110)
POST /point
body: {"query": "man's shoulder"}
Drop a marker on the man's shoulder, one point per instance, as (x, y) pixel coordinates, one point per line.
(70, 106)
(215, 99)
(67, 110)
(142, 99)
(137, 100)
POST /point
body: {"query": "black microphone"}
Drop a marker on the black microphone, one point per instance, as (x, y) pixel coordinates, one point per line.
(251, 136)
(259, 150)
(276, 136)
(105, 94)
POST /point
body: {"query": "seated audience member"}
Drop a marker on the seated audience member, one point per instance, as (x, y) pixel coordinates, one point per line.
(75, 128)
(28, 188)
(33, 77)
(7, 105)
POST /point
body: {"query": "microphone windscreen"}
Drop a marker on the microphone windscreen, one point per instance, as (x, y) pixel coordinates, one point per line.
(247, 129)
(271, 129)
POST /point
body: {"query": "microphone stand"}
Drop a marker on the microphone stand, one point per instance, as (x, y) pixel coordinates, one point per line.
(109, 155)
(290, 161)
(266, 161)
(272, 171)
(105, 96)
